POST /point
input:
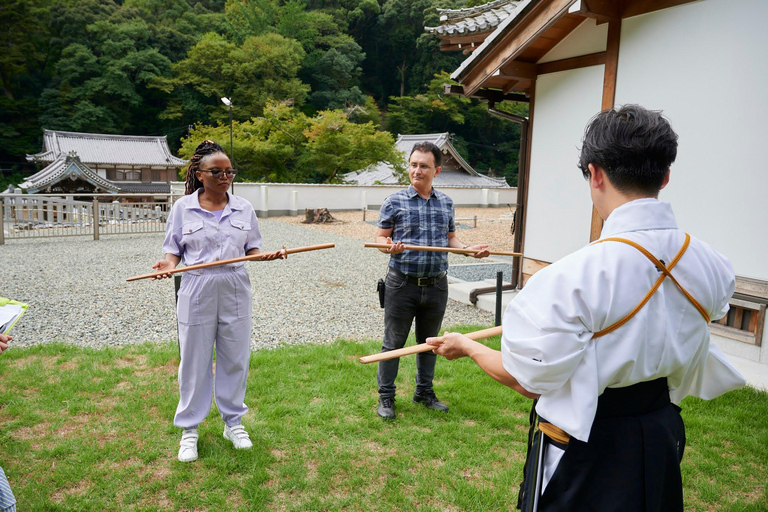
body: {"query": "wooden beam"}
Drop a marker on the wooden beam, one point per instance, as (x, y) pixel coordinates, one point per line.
(611, 63)
(602, 10)
(489, 95)
(534, 23)
(609, 96)
(517, 70)
(523, 178)
(637, 7)
(593, 59)
(507, 88)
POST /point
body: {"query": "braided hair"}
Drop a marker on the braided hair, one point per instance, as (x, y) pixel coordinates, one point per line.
(204, 149)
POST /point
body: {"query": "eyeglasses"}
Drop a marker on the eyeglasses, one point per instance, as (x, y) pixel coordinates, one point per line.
(218, 173)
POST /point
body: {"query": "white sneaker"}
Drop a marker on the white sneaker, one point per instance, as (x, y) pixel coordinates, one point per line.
(238, 436)
(188, 448)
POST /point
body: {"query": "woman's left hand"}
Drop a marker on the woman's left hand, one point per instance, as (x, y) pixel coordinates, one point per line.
(275, 255)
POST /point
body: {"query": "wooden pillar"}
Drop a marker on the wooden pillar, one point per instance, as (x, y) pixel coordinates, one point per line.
(609, 96)
(523, 176)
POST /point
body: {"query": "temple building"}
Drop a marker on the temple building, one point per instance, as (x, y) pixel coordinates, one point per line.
(456, 171)
(98, 163)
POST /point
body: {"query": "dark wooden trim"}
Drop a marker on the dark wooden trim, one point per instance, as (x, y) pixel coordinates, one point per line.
(583, 61)
(611, 63)
(517, 70)
(492, 96)
(607, 10)
(637, 7)
(602, 10)
(609, 97)
(532, 24)
(523, 178)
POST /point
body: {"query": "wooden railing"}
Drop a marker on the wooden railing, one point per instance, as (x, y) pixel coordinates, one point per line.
(43, 215)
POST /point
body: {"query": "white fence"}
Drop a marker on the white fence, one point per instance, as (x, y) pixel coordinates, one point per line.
(48, 215)
(292, 198)
(41, 215)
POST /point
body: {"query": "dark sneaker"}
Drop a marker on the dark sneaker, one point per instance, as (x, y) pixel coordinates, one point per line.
(429, 400)
(386, 407)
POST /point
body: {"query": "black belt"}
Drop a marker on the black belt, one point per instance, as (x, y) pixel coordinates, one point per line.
(419, 281)
(640, 398)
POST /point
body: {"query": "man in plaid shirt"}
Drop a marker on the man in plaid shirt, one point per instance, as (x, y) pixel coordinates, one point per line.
(417, 282)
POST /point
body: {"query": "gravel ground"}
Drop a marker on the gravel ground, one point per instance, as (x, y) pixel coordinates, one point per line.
(77, 292)
(493, 226)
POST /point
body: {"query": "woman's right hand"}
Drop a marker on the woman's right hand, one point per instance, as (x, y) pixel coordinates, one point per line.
(162, 266)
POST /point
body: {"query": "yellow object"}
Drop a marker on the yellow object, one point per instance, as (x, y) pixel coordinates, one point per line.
(10, 312)
(666, 272)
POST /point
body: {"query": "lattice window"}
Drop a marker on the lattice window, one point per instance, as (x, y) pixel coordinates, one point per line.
(744, 322)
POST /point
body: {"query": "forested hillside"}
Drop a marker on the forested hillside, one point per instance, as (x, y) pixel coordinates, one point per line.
(297, 71)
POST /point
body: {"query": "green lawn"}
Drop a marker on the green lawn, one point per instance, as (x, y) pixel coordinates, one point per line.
(92, 430)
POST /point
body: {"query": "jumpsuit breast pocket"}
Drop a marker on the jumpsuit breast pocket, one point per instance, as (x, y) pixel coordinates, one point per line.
(193, 238)
(239, 232)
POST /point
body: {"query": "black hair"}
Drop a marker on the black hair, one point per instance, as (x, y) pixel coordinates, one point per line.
(428, 147)
(633, 145)
(204, 149)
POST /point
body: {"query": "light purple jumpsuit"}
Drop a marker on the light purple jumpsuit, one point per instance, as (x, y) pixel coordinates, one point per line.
(214, 306)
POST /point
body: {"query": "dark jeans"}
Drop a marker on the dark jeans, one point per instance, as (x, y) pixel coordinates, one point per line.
(403, 302)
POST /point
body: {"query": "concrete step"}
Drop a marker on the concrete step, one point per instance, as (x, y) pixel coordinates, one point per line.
(460, 290)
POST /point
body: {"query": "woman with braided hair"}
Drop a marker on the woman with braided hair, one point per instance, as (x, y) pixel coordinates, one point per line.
(214, 304)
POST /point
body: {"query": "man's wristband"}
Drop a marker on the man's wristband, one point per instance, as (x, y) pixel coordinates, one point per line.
(465, 254)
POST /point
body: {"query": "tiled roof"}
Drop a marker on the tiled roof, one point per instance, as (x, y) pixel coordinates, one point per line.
(94, 149)
(521, 6)
(144, 188)
(473, 20)
(65, 166)
(383, 173)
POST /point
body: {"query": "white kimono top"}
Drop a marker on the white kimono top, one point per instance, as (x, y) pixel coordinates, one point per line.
(547, 340)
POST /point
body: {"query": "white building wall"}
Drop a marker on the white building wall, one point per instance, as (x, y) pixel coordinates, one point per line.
(559, 210)
(291, 198)
(589, 37)
(705, 65)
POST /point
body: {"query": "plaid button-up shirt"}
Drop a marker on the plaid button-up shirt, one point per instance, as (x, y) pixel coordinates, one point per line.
(418, 221)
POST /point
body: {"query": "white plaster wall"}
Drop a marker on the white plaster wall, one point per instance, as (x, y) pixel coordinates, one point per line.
(705, 65)
(559, 206)
(283, 197)
(589, 37)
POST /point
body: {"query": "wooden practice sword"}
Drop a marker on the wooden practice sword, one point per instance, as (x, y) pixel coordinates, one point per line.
(252, 257)
(425, 347)
(442, 249)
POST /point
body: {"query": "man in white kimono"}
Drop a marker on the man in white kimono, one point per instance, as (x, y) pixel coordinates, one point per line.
(612, 336)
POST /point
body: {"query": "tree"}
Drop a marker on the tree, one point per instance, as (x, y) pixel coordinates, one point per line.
(103, 86)
(331, 66)
(263, 69)
(285, 145)
(336, 146)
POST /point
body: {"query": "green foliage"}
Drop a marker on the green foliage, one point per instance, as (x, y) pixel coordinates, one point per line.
(285, 145)
(158, 66)
(336, 146)
(264, 68)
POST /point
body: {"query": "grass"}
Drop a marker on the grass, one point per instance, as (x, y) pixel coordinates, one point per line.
(84, 429)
